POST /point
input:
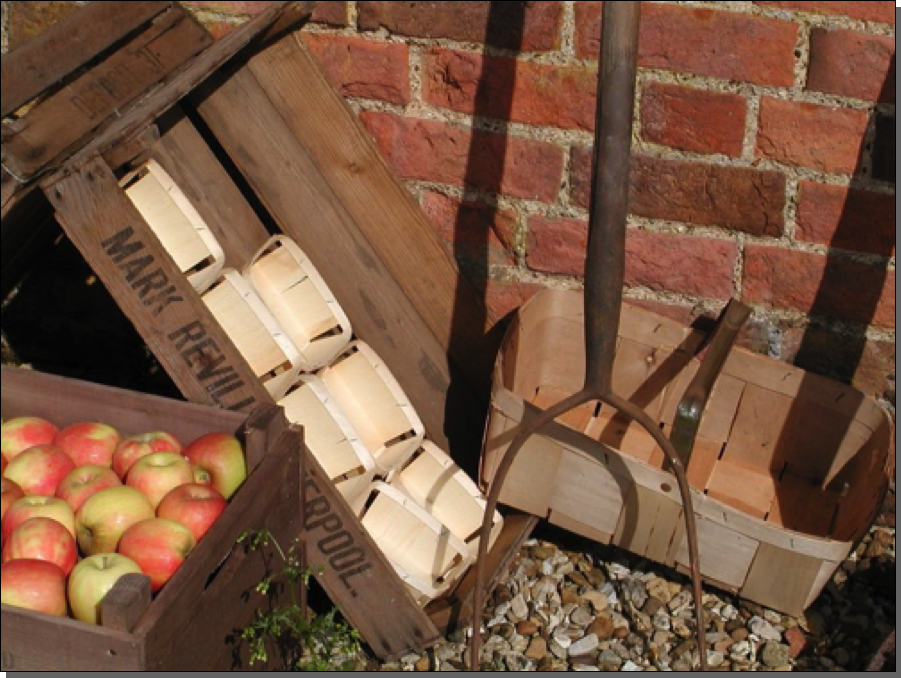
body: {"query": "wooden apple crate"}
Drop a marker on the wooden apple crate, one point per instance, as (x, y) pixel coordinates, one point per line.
(788, 471)
(193, 622)
(259, 96)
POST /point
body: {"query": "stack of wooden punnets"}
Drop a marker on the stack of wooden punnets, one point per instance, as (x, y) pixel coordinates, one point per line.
(420, 508)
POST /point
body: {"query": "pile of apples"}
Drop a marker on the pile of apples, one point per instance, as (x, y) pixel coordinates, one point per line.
(83, 505)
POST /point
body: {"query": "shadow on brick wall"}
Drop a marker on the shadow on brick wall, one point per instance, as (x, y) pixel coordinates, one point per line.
(504, 19)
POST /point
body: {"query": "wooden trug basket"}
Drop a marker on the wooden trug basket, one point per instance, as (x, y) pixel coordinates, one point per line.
(331, 438)
(788, 471)
(298, 297)
(375, 403)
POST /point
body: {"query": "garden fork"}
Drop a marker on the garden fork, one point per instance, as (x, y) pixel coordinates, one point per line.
(605, 266)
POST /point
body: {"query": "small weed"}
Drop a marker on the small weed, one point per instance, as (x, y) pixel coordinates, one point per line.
(308, 642)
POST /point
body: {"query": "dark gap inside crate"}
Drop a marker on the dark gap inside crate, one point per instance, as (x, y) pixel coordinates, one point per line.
(406, 435)
(58, 317)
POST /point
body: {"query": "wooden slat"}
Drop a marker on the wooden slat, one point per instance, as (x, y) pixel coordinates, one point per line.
(129, 598)
(763, 431)
(792, 506)
(189, 161)
(648, 523)
(726, 555)
(356, 574)
(67, 401)
(173, 88)
(781, 579)
(587, 491)
(747, 488)
(573, 525)
(32, 641)
(577, 419)
(152, 291)
(622, 434)
(703, 458)
(257, 138)
(61, 122)
(387, 216)
(60, 50)
(641, 374)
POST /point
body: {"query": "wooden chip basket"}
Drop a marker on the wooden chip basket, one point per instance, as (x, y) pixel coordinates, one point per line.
(375, 404)
(436, 483)
(181, 230)
(298, 297)
(255, 332)
(426, 555)
(788, 471)
(331, 438)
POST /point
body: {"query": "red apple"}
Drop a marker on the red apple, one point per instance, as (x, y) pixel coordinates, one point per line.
(92, 579)
(34, 585)
(89, 443)
(39, 469)
(134, 447)
(157, 474)
(222, 456)
(38, 507)
(20, 433)
(194, 506)
(104, 516)
(9, 492)
(3, 463)
(42, 539)
(83, 481)
(159, 546)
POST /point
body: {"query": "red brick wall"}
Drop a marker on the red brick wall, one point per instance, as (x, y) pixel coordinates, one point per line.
(763, 160)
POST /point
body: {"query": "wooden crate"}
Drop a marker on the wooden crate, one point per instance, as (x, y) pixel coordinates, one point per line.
(375, 404)
(788, 471)
(261, 98)
(331, 438)
(298, 297)
(191, 623)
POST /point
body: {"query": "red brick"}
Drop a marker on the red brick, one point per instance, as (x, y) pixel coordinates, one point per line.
(693, 119)
(852, 64)
(868, 365)
(736, 198)
(27, 20)
(812, 283)
(527, 27)
(716, 43)
(363, 68)
(875, 10)
(330, 12)
(700, 267)
(807, 135)
(797, 641)
(432, 151)
(473, 230)
(848, 219)
(505, 89)
(505, 297)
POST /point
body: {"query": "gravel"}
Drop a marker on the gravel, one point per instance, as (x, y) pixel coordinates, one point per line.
(569, 604)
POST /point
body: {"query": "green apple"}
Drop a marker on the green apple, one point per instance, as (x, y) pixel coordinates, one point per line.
(92, 579)
(104, 516)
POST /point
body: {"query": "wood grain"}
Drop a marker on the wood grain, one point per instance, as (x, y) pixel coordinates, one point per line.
(307, 210)
(60, 123)
(383, 210)
(151, 290)
(41, 62)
